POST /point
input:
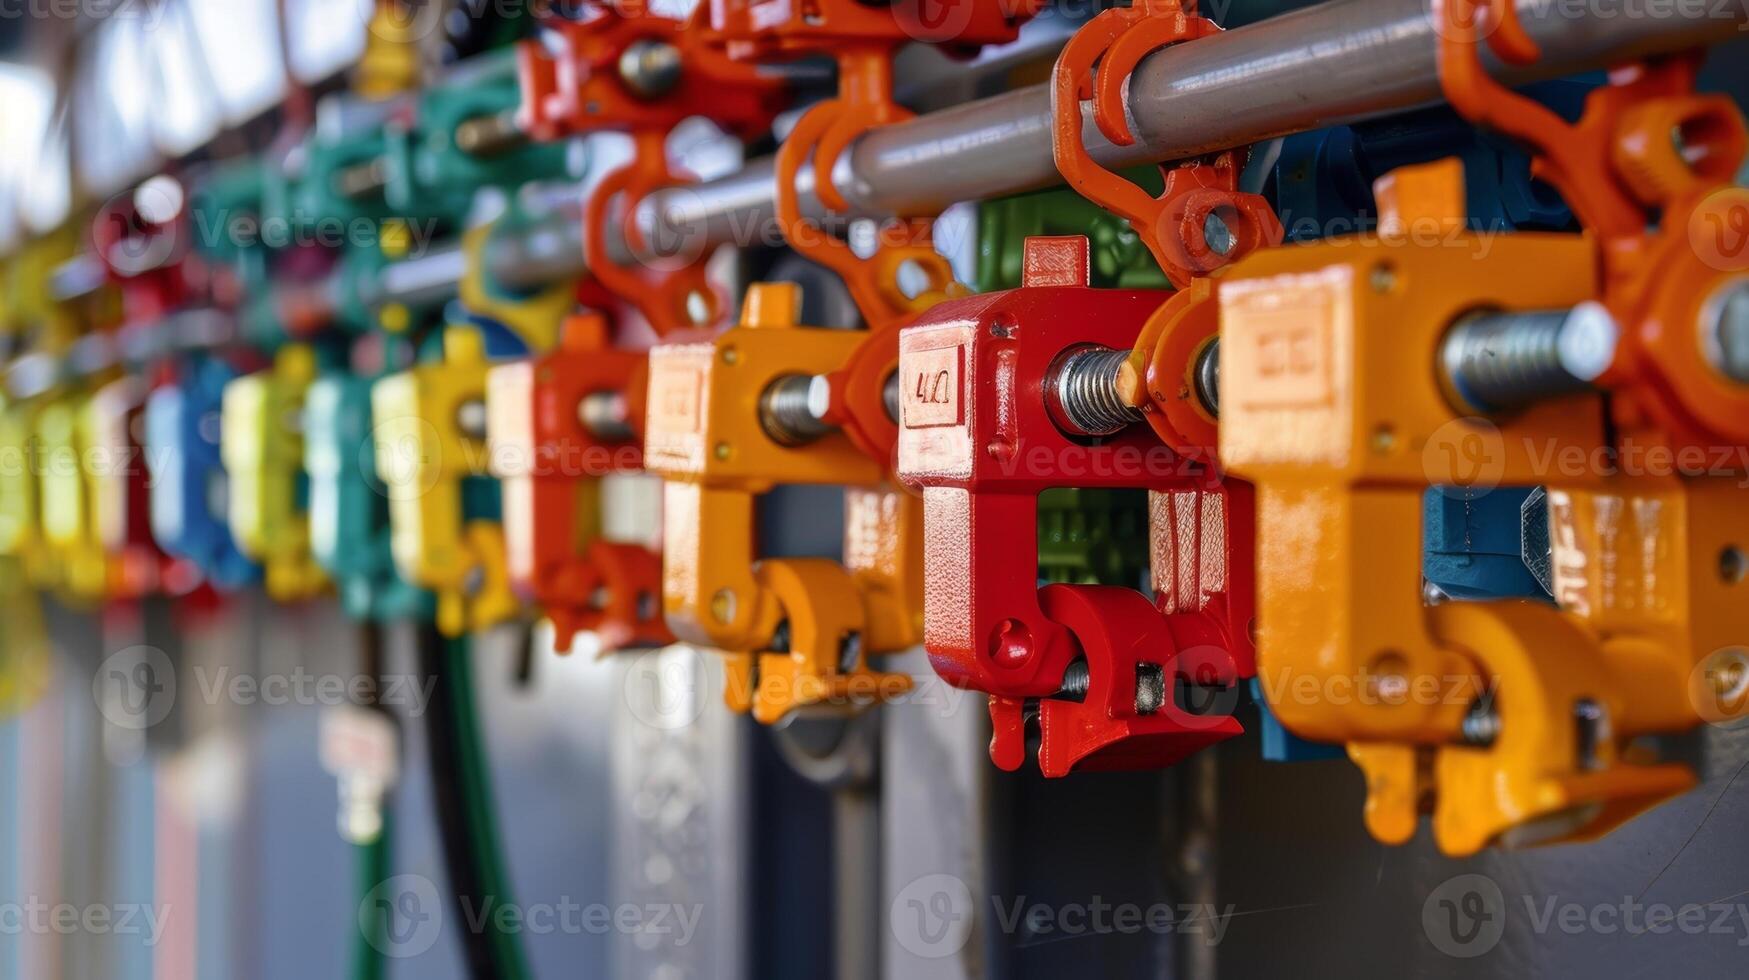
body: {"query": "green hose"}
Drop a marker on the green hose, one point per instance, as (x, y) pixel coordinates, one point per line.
(475, 778)
(368, 961)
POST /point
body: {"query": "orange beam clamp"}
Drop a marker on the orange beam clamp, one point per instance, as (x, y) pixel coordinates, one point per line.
(626, 69)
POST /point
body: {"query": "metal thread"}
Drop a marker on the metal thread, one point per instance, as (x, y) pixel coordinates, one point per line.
(1075, 682)
(483, 136)
(1497, 362)
(1083, 390)
(784, 412)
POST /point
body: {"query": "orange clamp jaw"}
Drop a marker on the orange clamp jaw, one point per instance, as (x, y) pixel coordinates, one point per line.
(798, 632)
(863, 38)
(556, 424)
(1511, 719)
(1200, 196)
(976, 436)
(606, 74)
(1650, 171)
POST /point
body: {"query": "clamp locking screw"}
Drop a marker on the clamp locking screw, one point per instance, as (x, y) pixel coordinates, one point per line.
(792, 408)
(1724, 330)
(470, 417)
(650, 68)
(1081, 392)
(1496, 362)
(1208, 377)
(484, 136)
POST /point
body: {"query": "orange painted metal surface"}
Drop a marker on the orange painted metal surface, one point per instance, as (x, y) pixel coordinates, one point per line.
(550, 461)
(1197, 194)
(1645, 168)
(584, 86)
(863, 38)
(1331, 407)
(798, 632)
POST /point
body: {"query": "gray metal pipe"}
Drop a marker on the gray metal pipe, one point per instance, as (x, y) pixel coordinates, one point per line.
(1334, 63)
(1337, 62)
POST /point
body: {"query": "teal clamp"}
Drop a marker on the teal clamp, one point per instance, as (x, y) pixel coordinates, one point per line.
(436, 158)
(237, 222)
(349, 505)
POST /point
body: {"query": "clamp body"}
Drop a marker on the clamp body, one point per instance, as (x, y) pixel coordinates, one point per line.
(556, 424)
(1512, 717)
(798, 632)
(863, 39)
(121, 491)
(429, 438)
(979, 437)
(69, 493)
(190, 490)
(349, 504)
(624, 68)
(262, 445)
(461, 137)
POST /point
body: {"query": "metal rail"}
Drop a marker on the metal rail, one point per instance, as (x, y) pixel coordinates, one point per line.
(1334, 63)
(1337, 62)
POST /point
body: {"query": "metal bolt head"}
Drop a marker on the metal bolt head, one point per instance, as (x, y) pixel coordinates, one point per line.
(1208, 377)
(1724, 330)
(650, 68)
(819, 396)
(1587, 341)
(1217, 234)
(470, 417)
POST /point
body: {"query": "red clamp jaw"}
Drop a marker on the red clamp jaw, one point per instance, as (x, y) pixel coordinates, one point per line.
(979, 436)
(147, 258)
(122, 497)
(631, 71)
(556, 425)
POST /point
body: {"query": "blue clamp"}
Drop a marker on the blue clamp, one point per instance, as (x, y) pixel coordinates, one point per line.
(189, 487)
